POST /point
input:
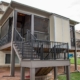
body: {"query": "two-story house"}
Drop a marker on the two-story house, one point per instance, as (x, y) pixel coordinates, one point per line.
(36, 39)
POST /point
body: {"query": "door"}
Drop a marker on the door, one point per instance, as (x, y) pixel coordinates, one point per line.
(23, 24)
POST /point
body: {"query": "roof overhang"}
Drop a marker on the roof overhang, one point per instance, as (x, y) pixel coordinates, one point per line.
(29, 8)
(73, 22)
(4, 3)
(15, 5)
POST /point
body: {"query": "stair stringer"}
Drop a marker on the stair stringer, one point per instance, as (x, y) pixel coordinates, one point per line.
(17, 53)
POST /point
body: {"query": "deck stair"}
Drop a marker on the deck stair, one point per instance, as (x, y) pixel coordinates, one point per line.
(27, 51)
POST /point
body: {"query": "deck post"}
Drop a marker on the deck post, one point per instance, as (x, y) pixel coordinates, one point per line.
(32, 73)
(55, 73)
(22, 73)
(75, 52)
(12, 67)
(64, 59)
(75, 59)
(67, 72)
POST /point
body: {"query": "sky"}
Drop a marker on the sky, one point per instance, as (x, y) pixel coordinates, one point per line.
(67, 8)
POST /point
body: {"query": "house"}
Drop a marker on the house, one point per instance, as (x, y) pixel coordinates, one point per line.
(36, 39)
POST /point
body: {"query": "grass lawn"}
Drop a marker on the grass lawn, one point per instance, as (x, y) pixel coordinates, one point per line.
(73, 76)
(72, 61)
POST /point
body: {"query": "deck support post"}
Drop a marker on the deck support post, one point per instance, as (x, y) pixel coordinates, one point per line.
(75, 59)
(67, 72)
(32, 73)
(12, 39)
(55, 73)
(75, 52)
(22, 73)
(12, 68)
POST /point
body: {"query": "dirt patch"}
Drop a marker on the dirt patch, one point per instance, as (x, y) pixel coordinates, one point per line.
(5, 72)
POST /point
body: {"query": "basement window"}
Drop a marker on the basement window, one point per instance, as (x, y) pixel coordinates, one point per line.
(7, 60)
(8, 57)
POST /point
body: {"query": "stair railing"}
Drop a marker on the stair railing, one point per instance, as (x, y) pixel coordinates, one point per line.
(54, 49)
(4, 40)
(30, 38)
(19, 38)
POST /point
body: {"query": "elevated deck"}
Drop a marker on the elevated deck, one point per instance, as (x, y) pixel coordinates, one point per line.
(45, 63)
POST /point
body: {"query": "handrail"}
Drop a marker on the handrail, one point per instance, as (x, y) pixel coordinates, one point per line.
(18, 37)
(48, 41)
(19, 34)
(41, 40)
(3, 36)
(5, 39)
(28, 31)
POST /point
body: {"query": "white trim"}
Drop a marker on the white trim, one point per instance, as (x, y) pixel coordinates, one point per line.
(23, 12)
(32, 24)
(60, 16)
(54, 29)
(30, 13)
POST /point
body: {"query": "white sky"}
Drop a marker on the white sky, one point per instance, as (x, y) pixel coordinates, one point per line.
(67, 8)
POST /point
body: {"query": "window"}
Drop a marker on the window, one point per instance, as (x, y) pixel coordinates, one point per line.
(72, 34)
(7, 60)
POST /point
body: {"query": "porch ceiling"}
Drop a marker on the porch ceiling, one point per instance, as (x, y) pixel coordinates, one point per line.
(6, 47)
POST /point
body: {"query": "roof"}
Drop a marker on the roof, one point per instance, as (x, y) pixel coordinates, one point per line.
(74, 22)
(14, 4)
(4, 3)
(21, 6)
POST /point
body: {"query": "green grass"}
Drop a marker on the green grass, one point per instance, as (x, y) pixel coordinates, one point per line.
(73, 76)
(72, 61)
